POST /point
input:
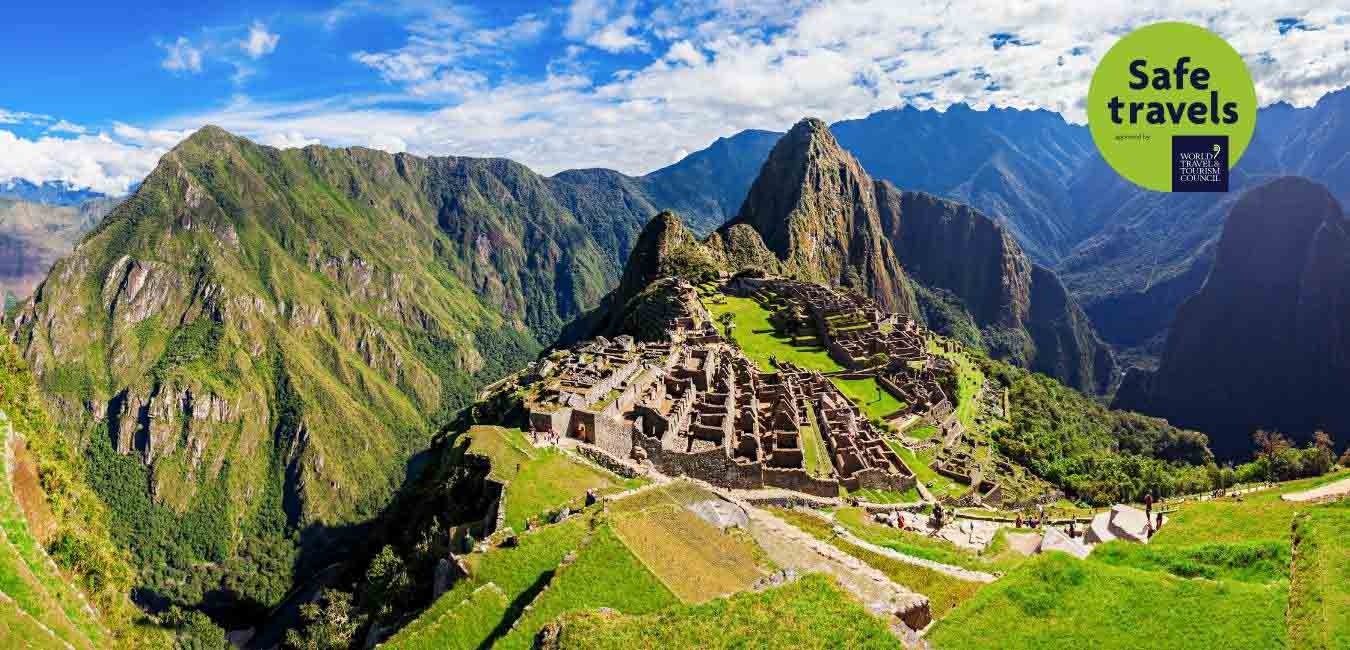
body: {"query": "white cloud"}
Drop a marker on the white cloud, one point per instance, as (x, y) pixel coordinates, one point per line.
(259, 42)
(605, 25)
(685, 52)
(98, 162)
(22, 117)
(720, 67)
(63, 126)
(181, 56)
(445, 49)
(287, 140)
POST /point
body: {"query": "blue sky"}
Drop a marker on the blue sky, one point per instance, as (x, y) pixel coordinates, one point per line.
(95, 93)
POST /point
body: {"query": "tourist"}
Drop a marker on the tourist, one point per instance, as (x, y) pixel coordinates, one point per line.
(1159, 519)
(1148, 504)
(1019, 520)
(1073, 532)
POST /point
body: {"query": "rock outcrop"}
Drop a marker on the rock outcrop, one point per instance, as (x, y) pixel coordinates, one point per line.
(1266, 341)
(820, 215)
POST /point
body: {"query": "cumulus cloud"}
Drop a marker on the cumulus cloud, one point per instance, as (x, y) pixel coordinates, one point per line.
(445, 49)
(719, 67)
(604, 24)
(259, 42)
(98, 162)
(181, 56)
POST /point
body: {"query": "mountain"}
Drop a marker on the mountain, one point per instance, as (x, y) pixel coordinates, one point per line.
(1010, 164)
(814, 213)
(1265, 343)
(48, 192)
(34, 235)
(821, 217)
(1128, 256)
(65, 580)
(251, 349)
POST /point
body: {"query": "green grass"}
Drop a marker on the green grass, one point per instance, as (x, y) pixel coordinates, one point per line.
(540, 480)
(872, 495)
(1258, 516)
(1057, 601)
(1319, 598)
(755, 336)
(26, 575)
(690, 556)
(969, 379)
(876, 402)
(517, 572)
(464, 626)
(944, 591)
(812, 612)
(605, 574)
(1245, 561)
(814, 454)
(918, 463)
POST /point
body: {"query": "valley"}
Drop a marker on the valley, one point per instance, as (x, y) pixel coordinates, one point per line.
(324, 397)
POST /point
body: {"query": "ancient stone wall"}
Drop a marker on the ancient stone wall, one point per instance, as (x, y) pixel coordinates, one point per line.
(798, 480)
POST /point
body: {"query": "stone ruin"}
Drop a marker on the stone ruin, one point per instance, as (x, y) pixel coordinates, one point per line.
(694, 405)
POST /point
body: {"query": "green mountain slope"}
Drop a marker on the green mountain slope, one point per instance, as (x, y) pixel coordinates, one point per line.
(63, 580)
(257, 341)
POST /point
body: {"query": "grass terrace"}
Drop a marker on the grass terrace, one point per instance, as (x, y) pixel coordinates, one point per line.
(757, 338)
(693, 558)
(605, 574)
(540, 480)
(876, 402)
(1057, 601)
(814, 453)
(812, 612)
(1319, 598)
(918, 463)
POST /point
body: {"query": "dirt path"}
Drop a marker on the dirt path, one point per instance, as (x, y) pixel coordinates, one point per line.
(793, 548)
(1326, 492)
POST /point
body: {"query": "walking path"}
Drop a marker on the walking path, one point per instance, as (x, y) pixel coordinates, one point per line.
(791, 547)
(953, 571)
(1328, 492)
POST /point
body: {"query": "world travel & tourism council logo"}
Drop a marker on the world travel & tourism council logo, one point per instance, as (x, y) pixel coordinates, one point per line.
(1172, 107)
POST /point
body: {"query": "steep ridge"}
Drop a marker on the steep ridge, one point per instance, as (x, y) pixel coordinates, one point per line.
(815, 214)
(1010, 164)
(253, 346)
(1266, 341)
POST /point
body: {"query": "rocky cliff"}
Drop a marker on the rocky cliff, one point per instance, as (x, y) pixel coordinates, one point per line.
(1266, 341)
(820, 216)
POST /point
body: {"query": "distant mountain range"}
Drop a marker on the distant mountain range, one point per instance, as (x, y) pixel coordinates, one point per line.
(48, 192)
(34, 235)
(1129, 256)
(814, 213)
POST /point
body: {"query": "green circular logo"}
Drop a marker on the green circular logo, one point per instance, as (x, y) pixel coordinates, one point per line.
(1172, 107)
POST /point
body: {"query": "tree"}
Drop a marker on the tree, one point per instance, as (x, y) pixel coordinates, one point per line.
(728, 321)
(1269, 444)
(878, 359)
(388, 587)
(328, 623)
(1322, 440)
(1345, 458)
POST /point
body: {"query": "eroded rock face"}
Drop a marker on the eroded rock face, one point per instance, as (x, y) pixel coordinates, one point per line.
(1266, 341)
(817, 211)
